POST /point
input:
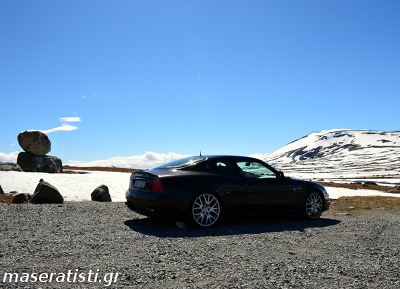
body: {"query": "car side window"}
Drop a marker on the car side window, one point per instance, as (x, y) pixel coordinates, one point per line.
(223, 168)
(255, 170)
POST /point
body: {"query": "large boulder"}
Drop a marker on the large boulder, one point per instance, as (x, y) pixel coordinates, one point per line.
(101, 194)
(34, 163)
(46, 194)
(34, 142)
(10, 167)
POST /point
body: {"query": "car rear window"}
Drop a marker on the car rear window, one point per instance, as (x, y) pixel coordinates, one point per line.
(182, 163)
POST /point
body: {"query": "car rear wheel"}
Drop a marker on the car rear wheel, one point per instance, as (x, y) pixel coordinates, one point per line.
(314, 206)
(205, 210)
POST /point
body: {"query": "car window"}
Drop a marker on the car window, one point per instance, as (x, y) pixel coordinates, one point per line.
(220, 167)
(255, 170)
(226, 168)
(182, 163)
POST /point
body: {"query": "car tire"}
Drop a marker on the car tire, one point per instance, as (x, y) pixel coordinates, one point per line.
(313, 206)
(205, 210)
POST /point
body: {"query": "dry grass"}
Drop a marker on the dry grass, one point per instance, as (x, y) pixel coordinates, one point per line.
(71, 169)
(362, 205)
(5, 199)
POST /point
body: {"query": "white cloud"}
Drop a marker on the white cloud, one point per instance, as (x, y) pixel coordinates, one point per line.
(64, 127)
(65, 124)
(70, 119)
(9, 158)
(146, 161)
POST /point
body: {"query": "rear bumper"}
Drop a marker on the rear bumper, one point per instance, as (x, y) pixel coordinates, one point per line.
(153, 204)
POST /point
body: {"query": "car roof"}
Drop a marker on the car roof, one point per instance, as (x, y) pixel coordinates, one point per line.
(229, 157)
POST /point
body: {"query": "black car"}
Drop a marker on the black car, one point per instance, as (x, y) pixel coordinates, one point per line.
(201, 189)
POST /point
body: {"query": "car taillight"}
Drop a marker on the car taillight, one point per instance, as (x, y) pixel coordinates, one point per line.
(156, 185)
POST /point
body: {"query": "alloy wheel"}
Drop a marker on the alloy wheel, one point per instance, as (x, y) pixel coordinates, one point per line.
(314, 206)
(206, 210)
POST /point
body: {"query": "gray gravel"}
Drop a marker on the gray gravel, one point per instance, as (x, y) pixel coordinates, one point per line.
(272, 252)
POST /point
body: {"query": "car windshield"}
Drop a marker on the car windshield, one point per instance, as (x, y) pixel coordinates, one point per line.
(182, 163)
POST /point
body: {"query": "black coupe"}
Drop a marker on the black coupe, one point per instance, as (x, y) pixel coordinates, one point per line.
(201, 189)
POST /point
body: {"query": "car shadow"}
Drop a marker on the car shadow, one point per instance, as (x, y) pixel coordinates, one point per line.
(227, 227)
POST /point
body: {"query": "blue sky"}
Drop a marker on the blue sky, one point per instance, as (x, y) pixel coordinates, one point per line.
(122, 78)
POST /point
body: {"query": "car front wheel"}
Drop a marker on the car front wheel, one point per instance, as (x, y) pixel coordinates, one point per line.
(205, 210)
(314, 206)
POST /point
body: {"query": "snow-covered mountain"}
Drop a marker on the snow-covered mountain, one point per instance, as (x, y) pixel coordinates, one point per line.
(341, 154)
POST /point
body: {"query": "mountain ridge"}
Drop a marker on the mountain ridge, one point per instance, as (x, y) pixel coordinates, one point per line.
(341, 153)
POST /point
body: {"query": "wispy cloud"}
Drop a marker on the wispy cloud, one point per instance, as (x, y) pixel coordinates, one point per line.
(65, 126)
(70, 119)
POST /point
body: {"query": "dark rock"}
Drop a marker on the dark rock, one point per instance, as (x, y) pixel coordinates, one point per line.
(10, 167)
(33, 163)
(369, 183)
(101, 194)
(1, 191)
(45, 193)
(22, 198)
(34, 142)
(395, 190)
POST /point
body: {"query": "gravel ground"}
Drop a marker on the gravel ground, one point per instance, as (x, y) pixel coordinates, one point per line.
(96, 241)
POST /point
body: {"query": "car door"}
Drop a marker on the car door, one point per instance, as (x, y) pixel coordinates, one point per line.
(228, 181)
(265, 190)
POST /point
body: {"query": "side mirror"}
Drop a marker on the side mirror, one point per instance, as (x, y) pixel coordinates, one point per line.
(280, 175)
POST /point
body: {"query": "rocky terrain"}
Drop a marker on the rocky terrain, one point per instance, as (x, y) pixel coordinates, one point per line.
(344, 249)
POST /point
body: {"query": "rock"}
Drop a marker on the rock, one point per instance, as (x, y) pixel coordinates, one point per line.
(101, 194)
(45, 193)
(369, 183)
(10, 167)
(1, 191)
(34, 142)
(395, 190)
(22, 198)
(34, 163)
